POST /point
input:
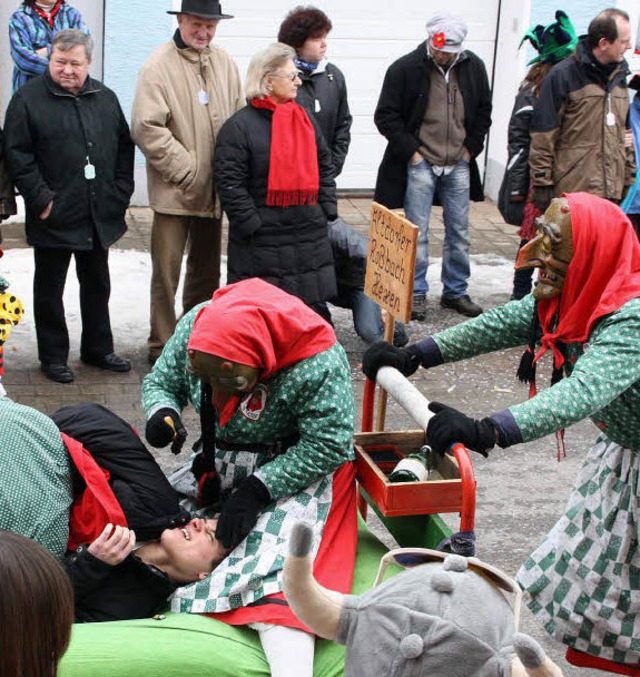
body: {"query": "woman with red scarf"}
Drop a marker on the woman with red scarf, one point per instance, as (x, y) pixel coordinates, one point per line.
(273, 390)
(275, 178)
(582, 581)
(31, 30)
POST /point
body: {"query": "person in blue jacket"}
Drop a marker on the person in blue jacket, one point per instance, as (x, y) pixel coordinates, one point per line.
(31, 30)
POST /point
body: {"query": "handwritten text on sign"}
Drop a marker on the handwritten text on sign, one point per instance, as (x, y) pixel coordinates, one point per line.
(391, 261)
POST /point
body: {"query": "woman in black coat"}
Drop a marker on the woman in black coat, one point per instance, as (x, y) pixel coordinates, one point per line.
(323, 92)
(275, 178)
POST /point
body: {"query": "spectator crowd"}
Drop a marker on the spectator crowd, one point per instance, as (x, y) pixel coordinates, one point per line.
(259, 361)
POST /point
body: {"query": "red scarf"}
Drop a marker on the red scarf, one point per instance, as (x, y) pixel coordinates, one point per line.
(49, 17)
(254, 323)
(294, 177)
(603, 274)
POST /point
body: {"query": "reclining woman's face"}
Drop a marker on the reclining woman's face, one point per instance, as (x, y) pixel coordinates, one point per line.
(193, 550)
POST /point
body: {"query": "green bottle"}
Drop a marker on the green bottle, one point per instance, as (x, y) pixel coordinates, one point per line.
(414, 467)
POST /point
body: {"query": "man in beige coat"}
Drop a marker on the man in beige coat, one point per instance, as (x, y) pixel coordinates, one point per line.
(185, 92)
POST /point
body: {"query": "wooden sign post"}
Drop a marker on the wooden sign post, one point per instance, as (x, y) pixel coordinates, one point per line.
(390, 268)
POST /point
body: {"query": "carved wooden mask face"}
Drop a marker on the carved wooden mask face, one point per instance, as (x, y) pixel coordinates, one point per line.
(550, 250)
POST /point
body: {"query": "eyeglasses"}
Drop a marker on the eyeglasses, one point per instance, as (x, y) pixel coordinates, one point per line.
(412, 557)
(289, 76)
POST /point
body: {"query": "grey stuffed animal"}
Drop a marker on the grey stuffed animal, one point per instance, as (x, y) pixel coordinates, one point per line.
(435, 619)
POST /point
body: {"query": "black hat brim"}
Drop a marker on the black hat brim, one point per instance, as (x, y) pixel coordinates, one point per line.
(214, 17)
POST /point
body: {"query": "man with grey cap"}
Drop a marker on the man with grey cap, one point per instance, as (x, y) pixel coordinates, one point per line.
(435, 111)
(185, 92)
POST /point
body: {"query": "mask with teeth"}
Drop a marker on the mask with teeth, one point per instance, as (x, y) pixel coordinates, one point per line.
(551, 249)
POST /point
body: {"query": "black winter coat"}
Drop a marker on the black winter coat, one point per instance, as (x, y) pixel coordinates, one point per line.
(286, 246)
(132, 589)
(7, 197)
(323, 95)
(50, 135)
(515, 183)
(400, 112)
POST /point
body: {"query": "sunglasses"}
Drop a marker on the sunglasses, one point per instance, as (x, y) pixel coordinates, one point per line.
(413, 557)
(289, 76)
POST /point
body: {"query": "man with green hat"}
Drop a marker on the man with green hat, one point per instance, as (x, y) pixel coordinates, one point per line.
(578, 126)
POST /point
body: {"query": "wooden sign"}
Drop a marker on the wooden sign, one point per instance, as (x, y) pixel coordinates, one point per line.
(391, 261)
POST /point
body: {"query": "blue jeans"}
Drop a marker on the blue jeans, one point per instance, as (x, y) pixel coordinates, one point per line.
(367, 317)
(453, 191)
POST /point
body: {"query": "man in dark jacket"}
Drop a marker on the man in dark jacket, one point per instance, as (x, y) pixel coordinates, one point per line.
(68, 149)
(7, 198)
(435, 111)
(113, 578)
(579, 123)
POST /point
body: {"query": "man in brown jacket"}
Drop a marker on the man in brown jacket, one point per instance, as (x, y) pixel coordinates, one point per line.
(579, 122)
(185, 92)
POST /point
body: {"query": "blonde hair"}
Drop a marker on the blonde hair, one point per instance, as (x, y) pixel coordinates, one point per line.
(265, 63)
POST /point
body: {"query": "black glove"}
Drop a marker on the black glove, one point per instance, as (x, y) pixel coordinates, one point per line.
(449, 426)
(240, 512)
(542, 196)
(383, 354)
(204, 470)
(159, 432)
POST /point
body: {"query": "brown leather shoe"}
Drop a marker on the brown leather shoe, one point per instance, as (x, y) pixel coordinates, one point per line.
(463, 305)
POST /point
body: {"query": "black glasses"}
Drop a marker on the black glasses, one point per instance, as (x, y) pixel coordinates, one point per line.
(412, 557)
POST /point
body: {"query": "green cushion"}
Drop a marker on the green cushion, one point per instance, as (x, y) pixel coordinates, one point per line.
(197, 646)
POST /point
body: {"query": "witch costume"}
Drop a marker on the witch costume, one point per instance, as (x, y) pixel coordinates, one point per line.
(293, 432)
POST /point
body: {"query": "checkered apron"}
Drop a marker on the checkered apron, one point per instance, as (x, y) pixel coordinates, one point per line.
(254, 569)
(583, 581)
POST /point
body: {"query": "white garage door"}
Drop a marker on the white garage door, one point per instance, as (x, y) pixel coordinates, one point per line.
(367, 36)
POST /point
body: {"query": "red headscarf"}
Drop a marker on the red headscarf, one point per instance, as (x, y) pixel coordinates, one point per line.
(254, 323)
(294, 176)
(603, 274)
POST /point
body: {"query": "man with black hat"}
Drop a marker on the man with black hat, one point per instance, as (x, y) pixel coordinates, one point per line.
(435, 111)
(186, 90)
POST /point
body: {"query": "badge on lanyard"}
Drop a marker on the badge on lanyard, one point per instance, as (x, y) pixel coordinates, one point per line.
(89, 170)
(203, 97)
(611, 119)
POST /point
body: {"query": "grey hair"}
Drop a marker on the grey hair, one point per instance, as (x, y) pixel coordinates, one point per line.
(265, 63)
(68, 38)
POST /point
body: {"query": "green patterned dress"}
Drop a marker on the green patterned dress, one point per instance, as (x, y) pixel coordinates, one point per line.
(583, 581)
(312, 399)
(35, 477)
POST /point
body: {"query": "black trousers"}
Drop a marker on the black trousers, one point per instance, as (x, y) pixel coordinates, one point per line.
(92, 269)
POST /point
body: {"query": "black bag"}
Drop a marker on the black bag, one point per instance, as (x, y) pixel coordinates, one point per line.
(512, 212)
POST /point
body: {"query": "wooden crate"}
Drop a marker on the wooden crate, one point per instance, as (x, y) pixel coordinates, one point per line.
(377, 454)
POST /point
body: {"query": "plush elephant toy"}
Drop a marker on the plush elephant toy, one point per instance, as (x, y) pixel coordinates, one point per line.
(447, 617)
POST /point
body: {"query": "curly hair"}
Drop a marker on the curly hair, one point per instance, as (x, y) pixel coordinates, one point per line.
(302, 23)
